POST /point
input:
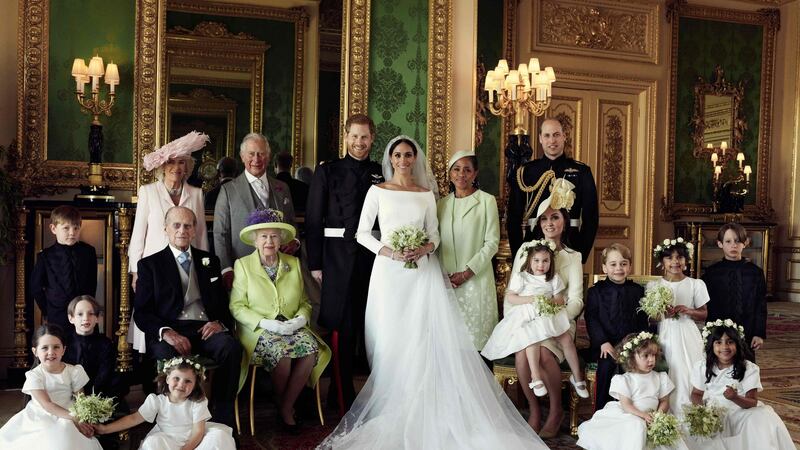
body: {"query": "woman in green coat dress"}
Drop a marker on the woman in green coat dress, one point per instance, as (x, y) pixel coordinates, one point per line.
(272, 313)
(470, 232)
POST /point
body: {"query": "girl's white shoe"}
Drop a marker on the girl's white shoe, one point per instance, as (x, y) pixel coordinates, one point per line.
(580, 387)
(538, 388)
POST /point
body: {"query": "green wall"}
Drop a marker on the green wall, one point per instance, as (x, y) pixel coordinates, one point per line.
(278, 70)
(490, 50)
(82, 29)
(398, 71)
(703, 45)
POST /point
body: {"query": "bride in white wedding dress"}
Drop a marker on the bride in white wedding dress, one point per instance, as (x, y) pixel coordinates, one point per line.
(429, 388)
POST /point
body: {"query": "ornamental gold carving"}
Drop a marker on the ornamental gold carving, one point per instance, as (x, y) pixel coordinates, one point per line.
(600, 29)
(440, 87)
(211, 29)
(613, 160)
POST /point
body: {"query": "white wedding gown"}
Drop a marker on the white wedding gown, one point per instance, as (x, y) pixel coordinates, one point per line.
(429, 388)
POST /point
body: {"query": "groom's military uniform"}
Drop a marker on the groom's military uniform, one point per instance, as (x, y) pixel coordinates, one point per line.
(530, 186)
(332, 213)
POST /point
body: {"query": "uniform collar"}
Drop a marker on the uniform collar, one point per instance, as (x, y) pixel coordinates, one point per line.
(352, 160)
(558, 160)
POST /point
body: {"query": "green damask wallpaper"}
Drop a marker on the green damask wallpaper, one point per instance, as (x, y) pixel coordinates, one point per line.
(398, 71)
(82, 29)
(490, 50)
(704, 44)
(278, 70)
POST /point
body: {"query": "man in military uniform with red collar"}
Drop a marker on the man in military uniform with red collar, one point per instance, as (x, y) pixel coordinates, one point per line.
(335, 259)
(530, 185)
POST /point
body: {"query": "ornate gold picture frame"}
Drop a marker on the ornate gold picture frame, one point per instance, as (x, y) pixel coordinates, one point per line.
(769, 19)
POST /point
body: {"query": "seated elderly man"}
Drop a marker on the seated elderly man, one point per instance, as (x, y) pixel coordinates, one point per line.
(182, 308)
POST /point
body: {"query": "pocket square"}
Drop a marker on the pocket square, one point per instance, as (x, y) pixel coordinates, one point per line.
(213, 279)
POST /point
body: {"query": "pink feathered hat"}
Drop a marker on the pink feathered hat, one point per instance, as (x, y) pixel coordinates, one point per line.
(183, 146)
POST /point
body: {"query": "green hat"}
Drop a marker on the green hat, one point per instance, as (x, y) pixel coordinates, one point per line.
(261, 219)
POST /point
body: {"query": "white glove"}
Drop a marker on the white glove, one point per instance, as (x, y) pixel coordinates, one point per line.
(275, 326)
(296, 323)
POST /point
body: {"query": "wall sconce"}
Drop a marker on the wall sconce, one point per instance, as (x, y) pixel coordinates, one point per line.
(728, 191)
(92, 104)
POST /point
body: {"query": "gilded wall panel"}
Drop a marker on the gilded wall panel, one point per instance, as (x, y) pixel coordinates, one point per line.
(599, 29)
(614, 148)
(613, 232)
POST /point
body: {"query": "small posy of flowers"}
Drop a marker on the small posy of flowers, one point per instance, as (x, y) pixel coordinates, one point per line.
(709, 327)
(92, 408)
(408, 237)
(663, 430)
(205, 262)
(166, 365)
(633, 344)
(656, 301)
(703, 420)
(669, 243)
(545, 305)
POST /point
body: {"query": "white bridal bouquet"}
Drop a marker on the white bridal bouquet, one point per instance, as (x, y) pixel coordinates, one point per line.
(546, 306)
(92, 408)
(408, 238)
(663, 430)
(656, 301)
(703, 420)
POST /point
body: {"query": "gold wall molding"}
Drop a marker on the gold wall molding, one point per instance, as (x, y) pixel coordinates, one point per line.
(150, 23)
(355, 59)
(440, 87)
(604, 29)
(614, 144)
(203, 102)
(613, 232)
(770, 20)
(35, 172)
(212, 30)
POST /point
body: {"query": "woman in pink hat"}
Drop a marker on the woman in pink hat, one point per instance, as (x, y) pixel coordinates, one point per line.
(171, 165)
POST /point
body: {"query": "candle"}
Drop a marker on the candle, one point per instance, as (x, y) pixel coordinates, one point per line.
(740, 158)
(710, 145)
(112, 76)
(717, 172)
(747, 172)
(714, 158)
(723, 146)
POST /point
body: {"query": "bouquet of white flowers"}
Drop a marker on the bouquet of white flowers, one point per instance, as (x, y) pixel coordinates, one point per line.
(656, 301)
(92, 408)
(703, 420)
(408, 238)
(663, 430)
(546, 306)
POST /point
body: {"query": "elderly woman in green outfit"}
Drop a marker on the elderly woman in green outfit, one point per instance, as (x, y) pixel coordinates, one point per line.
(470, 232)
(272, 312)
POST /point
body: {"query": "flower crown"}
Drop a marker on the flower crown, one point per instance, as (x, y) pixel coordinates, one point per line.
(669, 243)
(630, 347)
(709, 327)
(167, 365)
(537, 243)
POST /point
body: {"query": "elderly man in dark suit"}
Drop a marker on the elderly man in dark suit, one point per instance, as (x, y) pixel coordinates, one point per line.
(334, 207)
(183, 310)
(238, 198)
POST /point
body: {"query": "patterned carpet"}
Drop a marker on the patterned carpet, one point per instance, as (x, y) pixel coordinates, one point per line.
(780, 375)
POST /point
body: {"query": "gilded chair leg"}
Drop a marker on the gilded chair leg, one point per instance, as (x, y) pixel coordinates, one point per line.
(573, 412)
(319, 406)
(252, 391)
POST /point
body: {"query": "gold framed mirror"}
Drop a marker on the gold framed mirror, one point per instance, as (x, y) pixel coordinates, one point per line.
(704, 38)
(718, 116)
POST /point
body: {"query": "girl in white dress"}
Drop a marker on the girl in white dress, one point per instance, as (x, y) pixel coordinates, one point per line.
(678, 332)
(429, 389)
(180, 411)
(46, 422)
(525, 326)
(726, 378)
(639, 391)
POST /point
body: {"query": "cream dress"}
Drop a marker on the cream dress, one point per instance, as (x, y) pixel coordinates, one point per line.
(611, 428)
(174, 422)
(753, 428)
(524, 325)
(35, 428)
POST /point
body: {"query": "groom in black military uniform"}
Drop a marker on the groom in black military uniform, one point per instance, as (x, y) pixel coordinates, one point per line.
(530, 185)
(335, 259)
